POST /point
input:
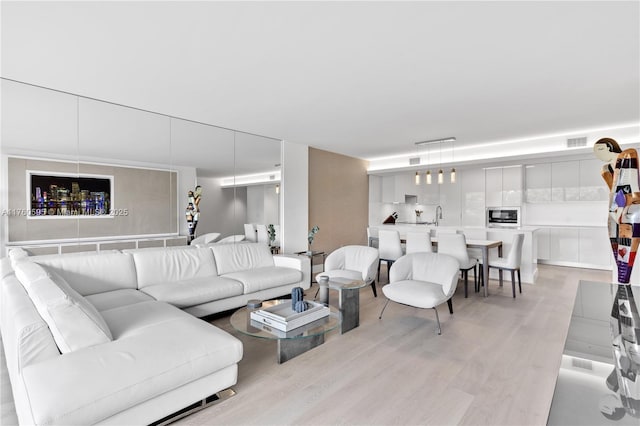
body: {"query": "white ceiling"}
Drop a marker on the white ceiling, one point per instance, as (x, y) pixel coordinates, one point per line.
(364, 79)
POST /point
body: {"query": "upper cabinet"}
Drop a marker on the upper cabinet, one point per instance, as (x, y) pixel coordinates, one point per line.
(592, 186)
(538, 181)
(562, 181)
(472, 194)
(512, 186)
(396, 187)
(503, 186)
(565, 181)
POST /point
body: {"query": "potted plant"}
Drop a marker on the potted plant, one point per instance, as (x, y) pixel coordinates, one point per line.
(272, 234)
(311, 236)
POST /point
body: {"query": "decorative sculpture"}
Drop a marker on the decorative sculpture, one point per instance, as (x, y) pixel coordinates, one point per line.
(620, 172)
(297, 302)
(192, 212)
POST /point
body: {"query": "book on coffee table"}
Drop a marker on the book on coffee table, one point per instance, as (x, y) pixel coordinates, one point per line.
(283, 317)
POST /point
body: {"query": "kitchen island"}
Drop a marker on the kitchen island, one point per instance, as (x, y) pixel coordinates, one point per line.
(529, 264)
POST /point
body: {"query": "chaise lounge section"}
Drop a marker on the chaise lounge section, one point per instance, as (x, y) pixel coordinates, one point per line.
(112, 337)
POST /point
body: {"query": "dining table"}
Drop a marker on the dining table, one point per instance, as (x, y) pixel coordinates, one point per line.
(483, 245)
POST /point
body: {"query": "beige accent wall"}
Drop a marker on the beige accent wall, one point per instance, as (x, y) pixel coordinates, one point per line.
(149, 196)
(338, 199)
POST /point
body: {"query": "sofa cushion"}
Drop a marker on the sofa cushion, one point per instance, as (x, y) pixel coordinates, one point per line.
(74, 322)
(421, 294)
(266, 277)
(160, 265)
(158, 349)
(92, 272)
(241, 257)
(195, 291)
(117, 298)
(340, 273)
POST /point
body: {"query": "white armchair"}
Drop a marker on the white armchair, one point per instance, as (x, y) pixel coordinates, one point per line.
(206, 238)
(422, 280)
(352, 262)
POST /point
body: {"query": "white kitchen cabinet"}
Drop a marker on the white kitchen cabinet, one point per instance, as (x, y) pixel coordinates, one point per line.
(595, 248)
(592, 186)
(493, 187)
(564, 244)
(538, 183)
(405, 185)
(542, 236)
(503, 186)
(388, 189)
(565, 181)
(511, 186)
(472, 194)
(450, 202)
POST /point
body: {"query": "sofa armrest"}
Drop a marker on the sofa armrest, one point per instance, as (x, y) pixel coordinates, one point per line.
(300, 262)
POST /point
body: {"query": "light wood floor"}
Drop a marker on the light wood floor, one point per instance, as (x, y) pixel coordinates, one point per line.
(494, 364)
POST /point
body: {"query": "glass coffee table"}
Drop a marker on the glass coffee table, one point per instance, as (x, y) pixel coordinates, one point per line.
(291, 343)
(348, 301)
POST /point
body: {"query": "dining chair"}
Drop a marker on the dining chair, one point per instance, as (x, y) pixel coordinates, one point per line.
(422, 280)
(262, 234)
(418, 242)
(389, 248)
(455, 245)
(510, 263)
(250, 232)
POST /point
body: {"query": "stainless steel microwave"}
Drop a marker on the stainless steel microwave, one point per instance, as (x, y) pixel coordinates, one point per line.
(503, 217)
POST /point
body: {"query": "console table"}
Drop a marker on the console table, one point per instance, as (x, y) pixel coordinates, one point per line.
(583, 394)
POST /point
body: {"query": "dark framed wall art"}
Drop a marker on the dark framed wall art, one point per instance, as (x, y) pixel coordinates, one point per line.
(60, 195)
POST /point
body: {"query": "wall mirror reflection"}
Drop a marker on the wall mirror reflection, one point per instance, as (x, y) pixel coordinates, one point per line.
(154, 160)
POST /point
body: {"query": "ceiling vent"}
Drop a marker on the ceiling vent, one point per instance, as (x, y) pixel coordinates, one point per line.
(272, 177)
(576, 142)
(414, 161)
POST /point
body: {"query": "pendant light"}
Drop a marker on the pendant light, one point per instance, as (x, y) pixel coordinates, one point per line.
(417, 178)
(453, 169)
(440, 172)
(428, 177)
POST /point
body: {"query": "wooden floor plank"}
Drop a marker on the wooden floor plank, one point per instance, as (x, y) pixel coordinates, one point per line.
(494, 364)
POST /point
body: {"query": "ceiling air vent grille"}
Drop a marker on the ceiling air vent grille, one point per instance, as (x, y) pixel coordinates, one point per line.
(576, 142)
(414, 161)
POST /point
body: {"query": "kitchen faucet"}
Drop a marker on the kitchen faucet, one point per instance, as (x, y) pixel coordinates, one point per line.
(438, 214)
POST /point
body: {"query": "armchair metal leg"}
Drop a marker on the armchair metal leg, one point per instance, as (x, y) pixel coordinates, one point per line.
(450, 303)
(513, 283)
(373, 287)
(383, 308)
(438, 321)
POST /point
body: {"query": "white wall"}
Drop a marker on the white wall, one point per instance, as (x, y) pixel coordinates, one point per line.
(263, 204)
(222, 210)
(294, 197)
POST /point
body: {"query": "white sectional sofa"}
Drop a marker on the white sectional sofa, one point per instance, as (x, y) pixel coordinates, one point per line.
(112, 337)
